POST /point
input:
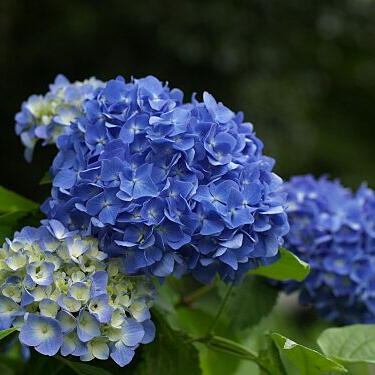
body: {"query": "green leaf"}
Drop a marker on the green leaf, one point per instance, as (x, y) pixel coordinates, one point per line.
(6, 332)
(43, 364)
(82, 369)
(252, 300)
(349, 344)
(271, 359)
(9, 222)
(307, 361)
(170, 353)
(168, 297)
(10, 202)
(5, 232)
(5, 369)
(11, 218)
(268, 363)
(196, 322)
(288, 267)
(12, 365)
(46, 179)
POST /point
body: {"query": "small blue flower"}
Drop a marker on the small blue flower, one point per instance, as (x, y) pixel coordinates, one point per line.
(41, 274)
(106, 205)
(138, 183)
(43, 333)
(100, 308)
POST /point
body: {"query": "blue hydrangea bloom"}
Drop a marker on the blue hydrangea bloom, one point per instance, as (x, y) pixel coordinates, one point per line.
(332, 229)
(172, 187)
(48, 116)
(64, 295)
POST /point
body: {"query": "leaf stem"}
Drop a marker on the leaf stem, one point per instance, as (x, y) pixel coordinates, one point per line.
(219, 312)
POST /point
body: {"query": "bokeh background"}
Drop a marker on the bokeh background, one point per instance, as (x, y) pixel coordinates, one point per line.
(302, 71)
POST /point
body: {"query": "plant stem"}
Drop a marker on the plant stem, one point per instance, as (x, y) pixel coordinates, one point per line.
(189, 298)
(219, 312)
(232, 348)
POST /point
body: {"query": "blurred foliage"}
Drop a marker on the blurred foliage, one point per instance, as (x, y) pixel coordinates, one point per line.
(302, 71)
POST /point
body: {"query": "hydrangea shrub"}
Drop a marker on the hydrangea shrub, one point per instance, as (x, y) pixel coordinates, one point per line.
(64, 295)
(145, 184)
(332, 229)
(172, 187)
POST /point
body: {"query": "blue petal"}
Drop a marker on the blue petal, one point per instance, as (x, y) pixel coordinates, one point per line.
(150, 330)
(67, 321)
(109, 214)
(235, 199)
(132, 332)
(210, 227)
(99, 283)
(121, 354)
(218, 111)
(100, 308)
(95, 204)
(234, 243)
(68, 346)
(229, 258)
(111, 169)
(165, 266)
(88, 326)
(65, 179)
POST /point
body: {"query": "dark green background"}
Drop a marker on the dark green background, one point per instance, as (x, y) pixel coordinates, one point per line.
(302, 71)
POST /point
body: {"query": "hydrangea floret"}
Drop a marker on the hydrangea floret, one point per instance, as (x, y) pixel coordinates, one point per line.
(333, 230)
(172, 187)
(48, 116)
(64, 295)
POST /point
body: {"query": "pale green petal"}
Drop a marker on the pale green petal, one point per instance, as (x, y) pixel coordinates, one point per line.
(98, 348)
(117, 318)
(12, 291)
(113, 334)
(16, 261)
(80, 291)
(40, 292)
(78, 276)
(48, 308)
(71, 304)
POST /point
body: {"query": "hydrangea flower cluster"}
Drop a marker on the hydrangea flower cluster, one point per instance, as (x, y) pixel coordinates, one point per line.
(333, 230)
(47, 116)
(63, 295)
(172, 187)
